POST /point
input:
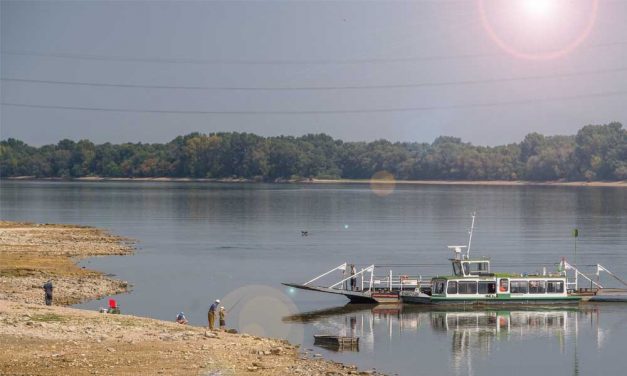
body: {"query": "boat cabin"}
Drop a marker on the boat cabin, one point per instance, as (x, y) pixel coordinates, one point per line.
(471, 268)
(473, 280)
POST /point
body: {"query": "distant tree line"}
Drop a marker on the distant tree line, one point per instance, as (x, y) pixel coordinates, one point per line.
(597, 152)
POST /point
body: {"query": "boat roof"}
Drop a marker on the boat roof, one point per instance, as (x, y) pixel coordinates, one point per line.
(501, 275)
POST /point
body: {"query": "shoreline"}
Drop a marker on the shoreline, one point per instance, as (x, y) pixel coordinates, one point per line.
(50, 340)
(30, 254)
(556, 183)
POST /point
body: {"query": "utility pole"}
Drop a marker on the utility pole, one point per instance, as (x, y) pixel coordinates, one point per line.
(576, 235)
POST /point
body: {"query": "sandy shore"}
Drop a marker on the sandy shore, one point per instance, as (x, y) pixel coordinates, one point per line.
(30, 254)
(620, 184)
(41, 340)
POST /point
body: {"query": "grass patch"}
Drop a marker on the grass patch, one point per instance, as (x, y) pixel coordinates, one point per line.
(48, 317)
(28, 264)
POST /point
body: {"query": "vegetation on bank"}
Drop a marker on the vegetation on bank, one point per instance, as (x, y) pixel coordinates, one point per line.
(596, 152)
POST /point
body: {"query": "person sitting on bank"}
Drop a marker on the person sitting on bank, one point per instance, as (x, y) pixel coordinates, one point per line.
(181, 319)
(222, 316)
(114, 307)
(48, 292)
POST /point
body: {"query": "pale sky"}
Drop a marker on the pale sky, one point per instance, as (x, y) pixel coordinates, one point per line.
(488, 71)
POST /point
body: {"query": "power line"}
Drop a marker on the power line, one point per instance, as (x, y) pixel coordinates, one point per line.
(345, 111)
(163, 60)
(185, 60)
(313, 88)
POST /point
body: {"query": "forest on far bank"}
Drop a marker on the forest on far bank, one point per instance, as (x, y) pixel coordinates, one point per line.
(596, 152)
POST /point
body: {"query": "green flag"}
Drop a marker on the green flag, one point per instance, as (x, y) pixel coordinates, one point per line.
(576, 233)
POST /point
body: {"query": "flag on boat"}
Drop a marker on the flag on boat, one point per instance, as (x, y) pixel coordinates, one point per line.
(342, 267)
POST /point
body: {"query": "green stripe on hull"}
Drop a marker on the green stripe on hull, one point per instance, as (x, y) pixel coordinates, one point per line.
(507, 300)
(501, 300)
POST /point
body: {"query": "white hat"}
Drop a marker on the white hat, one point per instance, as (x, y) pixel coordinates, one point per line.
(217, 300)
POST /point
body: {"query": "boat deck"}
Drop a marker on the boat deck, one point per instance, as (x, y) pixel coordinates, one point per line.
(609, 295)
(354, 296)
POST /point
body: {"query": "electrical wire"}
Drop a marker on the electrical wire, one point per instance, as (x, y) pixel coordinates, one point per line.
(331, 111)
(185, 60)
(314, 88)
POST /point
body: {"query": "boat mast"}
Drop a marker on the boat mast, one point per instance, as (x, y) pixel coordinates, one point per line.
(472, 227)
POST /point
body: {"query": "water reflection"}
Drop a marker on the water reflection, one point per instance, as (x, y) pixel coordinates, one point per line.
(470, 334)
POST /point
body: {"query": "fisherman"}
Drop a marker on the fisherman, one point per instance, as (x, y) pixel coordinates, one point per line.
(222, 316)
(48, 292)
(211, 316)
(353, 278)
(181, 319)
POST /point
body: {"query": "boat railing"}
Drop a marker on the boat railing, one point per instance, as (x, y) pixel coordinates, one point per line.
(362, 275)
(393, 282)
(368, 281)
(601, 268)
(341, 267)
(572, 283)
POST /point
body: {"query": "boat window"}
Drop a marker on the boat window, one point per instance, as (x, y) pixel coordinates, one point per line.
(537, 287)
(457, 268)
(503, 285)
(519, 287)
(474, 267)
(439, 287)
(555, 287)
(467, 287)
(487, 287)
(452, 287)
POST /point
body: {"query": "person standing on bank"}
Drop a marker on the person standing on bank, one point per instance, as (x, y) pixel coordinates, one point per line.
(48, 292)
(222, 317)
(211, 316)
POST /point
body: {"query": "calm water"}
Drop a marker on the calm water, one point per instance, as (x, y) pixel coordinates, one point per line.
(198, 242)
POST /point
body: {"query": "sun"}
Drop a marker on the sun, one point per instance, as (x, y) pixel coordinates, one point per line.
(538, 8)
(538, 29)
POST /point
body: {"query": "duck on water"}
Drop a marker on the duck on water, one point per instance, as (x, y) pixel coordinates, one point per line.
(472, 283)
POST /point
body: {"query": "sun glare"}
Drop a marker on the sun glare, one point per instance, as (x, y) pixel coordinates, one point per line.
(538, 29)
(538, 8)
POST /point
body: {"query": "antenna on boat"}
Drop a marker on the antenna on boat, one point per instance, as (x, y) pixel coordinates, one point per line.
(472, 227)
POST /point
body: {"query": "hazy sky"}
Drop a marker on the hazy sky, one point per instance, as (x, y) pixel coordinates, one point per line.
(489, 71)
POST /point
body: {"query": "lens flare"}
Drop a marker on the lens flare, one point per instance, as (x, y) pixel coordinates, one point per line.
(258, 309)
(538, 29)
(382, 183)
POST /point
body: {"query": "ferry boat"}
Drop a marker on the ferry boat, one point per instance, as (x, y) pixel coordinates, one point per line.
(474, 283)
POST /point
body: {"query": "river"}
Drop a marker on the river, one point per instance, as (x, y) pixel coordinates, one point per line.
(238, 242)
